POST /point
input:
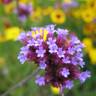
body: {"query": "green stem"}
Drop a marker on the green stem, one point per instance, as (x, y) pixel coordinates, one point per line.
(21, 83)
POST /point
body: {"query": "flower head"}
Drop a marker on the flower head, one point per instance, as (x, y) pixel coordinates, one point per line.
(24, 10)
(12, 33)
(59, 55)
(6, 1)
(58, 16)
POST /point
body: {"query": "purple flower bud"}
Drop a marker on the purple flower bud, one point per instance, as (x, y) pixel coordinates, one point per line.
(24, 50)
(51, 28)
(69, 84)
(79, 47)
(31, 43)
(84, 75)
(23, 11)
(60, 53)
(74, 40)
(51, 41)
(71, 50)
(22, 36)
(65, 72)
(22, 58)
(81, 63)
(53, 48)
(63, 32)
(42, 64)
(40, 52)
(66, 60)
(38, 42)
(74, 61)
(40, 81)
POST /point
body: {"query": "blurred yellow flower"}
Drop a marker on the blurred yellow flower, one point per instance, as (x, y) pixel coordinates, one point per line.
(91, 3)
(23, 1)
(92, 55)
(47, 11)
(88, 44)
(55, 90)
(68, 1)
(58, 16)
(9, 7)
(12, 33)
(88, 28)
(76, 13)
(2, 62)
(36, 14)
(2, 38)
(87, 15)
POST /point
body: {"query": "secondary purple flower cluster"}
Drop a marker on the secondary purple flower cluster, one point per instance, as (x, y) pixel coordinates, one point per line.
(59, 55)
(6, 1)
(23, 11)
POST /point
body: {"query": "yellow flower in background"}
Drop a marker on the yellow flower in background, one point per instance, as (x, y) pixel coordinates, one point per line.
(88, 28)
(2, 62)
(36, 14)
(88, 15)
(91, 3)
(76, 13)
(12, 33)
(88, 44)
(47, 11)
(68, 1)
(55, 90)
(58, 16)
(2, 38)
(9, 7)
(92, 55)
(24, 1)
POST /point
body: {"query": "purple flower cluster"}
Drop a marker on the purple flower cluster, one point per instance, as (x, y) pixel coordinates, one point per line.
(59, 55)
(71, 4)
(6, 1)
(23, 11)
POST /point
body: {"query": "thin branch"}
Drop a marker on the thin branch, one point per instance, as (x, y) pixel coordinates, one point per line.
(21, 83)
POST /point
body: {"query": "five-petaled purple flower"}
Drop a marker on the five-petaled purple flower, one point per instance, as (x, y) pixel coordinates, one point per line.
(65, 72)
(40, 81)
(40, 52)
(60, 53)
(53, 48)
(66, 60)
(51, 41)
(69, 84)
(84, 75)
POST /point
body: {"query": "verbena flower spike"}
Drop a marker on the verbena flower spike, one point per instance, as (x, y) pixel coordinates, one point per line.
(55, 51)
